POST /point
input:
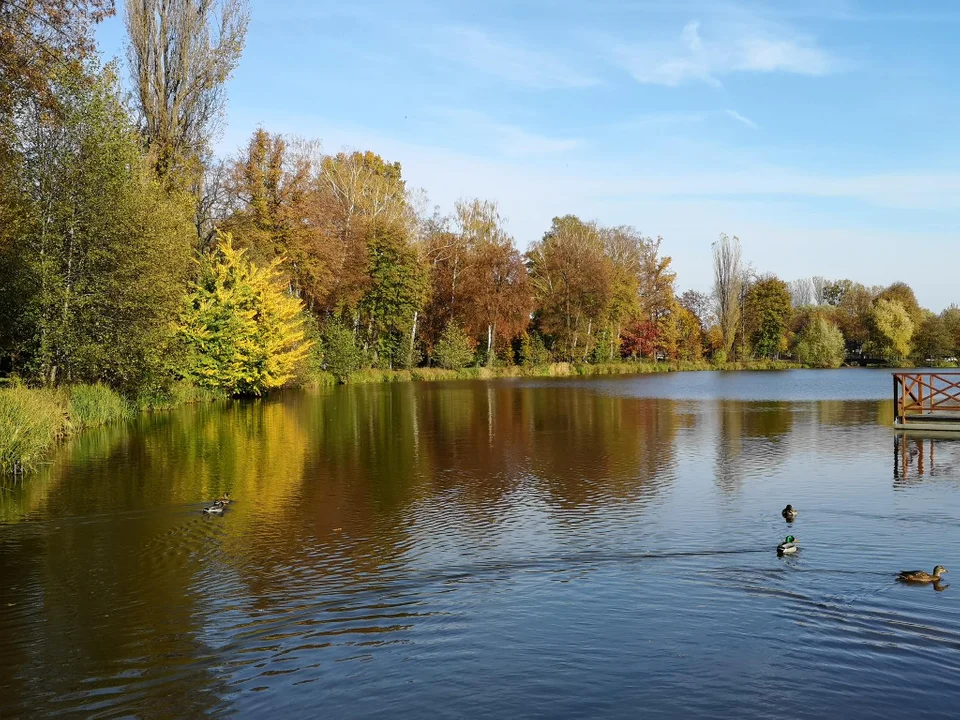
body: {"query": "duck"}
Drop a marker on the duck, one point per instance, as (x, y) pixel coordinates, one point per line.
(789, 514)
(216, 509)
(919, 576)
(224, 499)
(788, 546)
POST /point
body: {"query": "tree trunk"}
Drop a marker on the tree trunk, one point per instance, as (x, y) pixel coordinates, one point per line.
(413, 337)
(490, 354)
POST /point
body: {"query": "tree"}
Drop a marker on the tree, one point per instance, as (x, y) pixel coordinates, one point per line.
(903, 294)
(40, 41)
(571, 275)
(454, 349)
(801, 292)
(243, 331)
(699, 304)
(341, 356)
(766, 311)
(395, 295)
(533, 351)
(894, 328)
(101, 253)
(689, 334)
(277, 213)
(820, 344)
(727, 286)
(181, 54)
(932, 339)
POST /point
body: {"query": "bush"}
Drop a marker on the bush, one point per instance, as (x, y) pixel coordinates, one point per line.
(453, 350)
(31, 421)
(719, 357)
(341, 356)
(820, 344)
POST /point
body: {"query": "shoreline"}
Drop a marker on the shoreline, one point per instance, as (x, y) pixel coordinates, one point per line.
(34, 420)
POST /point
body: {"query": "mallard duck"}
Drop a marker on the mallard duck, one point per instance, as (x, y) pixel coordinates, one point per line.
(788, 546)
(224, 499)
(215, 509)
(789, 514)
(919, 576)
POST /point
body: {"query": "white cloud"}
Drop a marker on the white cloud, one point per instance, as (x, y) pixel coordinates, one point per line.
(519, 66)
(745, 120)
(735, 48)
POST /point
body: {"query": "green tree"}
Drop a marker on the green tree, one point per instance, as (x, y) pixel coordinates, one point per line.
(244, 332)
(766, 313)
(341, 356)
(932, 340)
(820, 344)
(894, 328)
(454, 349)
(533, 351)
(396, 292)
(100, 253)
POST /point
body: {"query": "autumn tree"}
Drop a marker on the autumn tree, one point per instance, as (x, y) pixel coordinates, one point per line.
(571, 275)
(454, 349)
(181, 54)
(766, 313)
(699, 304)
(277, 213)
(727, 287)
(932, 339)
(243, 331)
(820, 343)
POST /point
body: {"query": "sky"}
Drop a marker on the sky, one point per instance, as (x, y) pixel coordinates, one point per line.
(823, 134)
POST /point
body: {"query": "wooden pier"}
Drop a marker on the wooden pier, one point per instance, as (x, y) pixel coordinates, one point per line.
(926, 401)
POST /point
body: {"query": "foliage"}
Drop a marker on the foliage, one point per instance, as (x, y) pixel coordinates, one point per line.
(766, 311)
(894, 328)
(100, 261)
(932, 339)
(820, 344)
(727, 286)
(243, 330)
(396, 290)
(533, 351)
(454, 349)
(181, 55)
(341, 356)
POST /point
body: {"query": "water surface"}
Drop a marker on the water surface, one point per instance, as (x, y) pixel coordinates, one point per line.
(515, 548)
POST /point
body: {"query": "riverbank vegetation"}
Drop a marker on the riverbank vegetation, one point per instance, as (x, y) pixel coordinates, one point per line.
(132, 259)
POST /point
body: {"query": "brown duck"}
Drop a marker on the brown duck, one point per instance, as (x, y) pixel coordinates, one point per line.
(919, 576)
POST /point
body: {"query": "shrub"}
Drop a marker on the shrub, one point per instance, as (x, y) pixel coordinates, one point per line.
(719, 357)
(820, 344)
(453, 350)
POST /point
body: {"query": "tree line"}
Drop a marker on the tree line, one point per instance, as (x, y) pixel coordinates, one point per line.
(131, 255)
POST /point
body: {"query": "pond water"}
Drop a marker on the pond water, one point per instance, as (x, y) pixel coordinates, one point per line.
(515, 548)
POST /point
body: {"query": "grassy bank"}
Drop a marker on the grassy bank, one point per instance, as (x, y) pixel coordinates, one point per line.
(552, 370)
(33, 420)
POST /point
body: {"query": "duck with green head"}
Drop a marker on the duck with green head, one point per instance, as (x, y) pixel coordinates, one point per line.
(789, 546)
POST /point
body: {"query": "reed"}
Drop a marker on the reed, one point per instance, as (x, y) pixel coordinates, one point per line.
(93, 405)
(31, 421)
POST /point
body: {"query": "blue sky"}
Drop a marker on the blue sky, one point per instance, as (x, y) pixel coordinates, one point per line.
(823, 134)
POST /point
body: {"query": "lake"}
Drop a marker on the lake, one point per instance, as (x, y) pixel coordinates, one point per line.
(513, 548)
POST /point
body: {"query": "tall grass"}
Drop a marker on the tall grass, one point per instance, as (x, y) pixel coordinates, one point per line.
(92, 405)
(31, 421)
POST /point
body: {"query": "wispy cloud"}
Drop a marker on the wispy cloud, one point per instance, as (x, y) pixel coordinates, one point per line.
(737, 49)
(745, 120)
(525, 67)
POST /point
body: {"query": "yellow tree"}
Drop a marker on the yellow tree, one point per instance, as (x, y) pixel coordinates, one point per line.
(894, 327)
(243, 331)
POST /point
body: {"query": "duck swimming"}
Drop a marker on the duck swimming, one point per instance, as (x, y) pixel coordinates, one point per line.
(224, 499)
(789, 514)
(788, 546)
(216, 509)
(919, 576)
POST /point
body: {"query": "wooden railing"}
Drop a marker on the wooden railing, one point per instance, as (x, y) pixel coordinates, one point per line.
(919, 393)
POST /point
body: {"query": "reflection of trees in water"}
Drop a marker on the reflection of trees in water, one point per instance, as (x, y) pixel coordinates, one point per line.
(751, 437)
(592, 449)
(853, 413)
